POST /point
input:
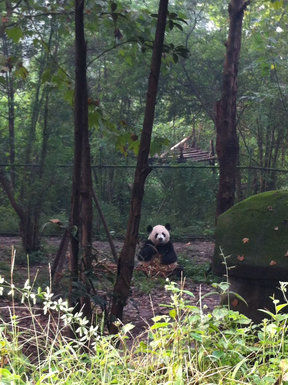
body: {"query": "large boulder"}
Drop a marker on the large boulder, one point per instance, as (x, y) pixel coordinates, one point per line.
(253, 237)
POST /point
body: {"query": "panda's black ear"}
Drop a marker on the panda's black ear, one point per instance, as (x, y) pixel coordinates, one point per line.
(168, 227)
(149, 229)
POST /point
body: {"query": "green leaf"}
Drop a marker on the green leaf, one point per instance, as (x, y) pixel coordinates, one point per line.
(179, 26)
(69, 95)
(277, 4)
(239, 297)
(126, 328)
(218, 354)
(14, 34)
(175, 58)
(36, 42)
(182, 51)
(59, 78)
(2, 80)
(220, 313)
(46, 76)
(172, 15)
(157, 144)
(280, 307)
(173, 313)
(93, 117)
(134, 146)
(159, 325)
(196, 336)
(182, 20)
(21, 72)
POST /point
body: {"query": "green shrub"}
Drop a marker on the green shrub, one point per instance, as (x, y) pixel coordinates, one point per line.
(9, 222)
(188, 345)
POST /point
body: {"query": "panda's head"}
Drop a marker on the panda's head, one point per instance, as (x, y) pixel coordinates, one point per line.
(159, 235)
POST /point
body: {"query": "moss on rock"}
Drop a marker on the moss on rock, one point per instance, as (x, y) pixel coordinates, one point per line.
(254, 234)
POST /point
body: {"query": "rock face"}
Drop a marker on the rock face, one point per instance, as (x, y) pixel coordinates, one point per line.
(253, 236)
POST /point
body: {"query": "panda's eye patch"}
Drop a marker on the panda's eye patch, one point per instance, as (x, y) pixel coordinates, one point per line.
(164, 235)
(156, 235)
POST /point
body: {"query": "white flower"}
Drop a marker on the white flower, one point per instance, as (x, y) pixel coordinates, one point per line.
(83, 321)
(33, 297)
(2, 280)
(11, 292)
(67, 319)
(24, 295)
(81, 331)
(48, 295)
(27, 285)
(63, 306)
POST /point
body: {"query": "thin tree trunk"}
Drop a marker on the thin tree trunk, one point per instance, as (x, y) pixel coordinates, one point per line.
(110, 240)
(28, 237)
(126, 259)
(10, 99)
(32, 228)
(29, 216)
(8, 188)
(58, 263)
(81, 203)
(277, 147)
(227, 145)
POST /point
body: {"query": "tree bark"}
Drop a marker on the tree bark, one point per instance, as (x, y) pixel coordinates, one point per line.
(81, 202)
(58, 263)
(227, 145)
(103, 220)
(28, 226)
(126, 259)
(10, 95)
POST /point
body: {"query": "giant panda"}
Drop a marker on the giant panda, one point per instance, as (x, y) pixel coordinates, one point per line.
(158, 244)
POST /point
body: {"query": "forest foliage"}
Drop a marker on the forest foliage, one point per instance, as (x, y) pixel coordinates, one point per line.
(187, 345)
(38, 101)
(36, 114)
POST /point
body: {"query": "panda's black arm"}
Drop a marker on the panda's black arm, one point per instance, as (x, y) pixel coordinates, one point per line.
(168, 254)
(147, 251)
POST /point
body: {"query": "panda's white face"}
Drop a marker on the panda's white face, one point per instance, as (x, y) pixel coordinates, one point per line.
(159, 235)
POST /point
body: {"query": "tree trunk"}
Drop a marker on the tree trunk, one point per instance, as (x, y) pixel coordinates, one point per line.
(126, 259)
(81, 202)
(104, 223)
(227, 145)
(28, 224)
(58, 263)
(10, 95)
(29, 231)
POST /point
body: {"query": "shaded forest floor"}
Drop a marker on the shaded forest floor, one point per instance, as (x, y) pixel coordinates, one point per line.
(147, 293)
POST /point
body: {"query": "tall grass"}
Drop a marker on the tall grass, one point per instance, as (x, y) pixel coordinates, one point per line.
(188, 345)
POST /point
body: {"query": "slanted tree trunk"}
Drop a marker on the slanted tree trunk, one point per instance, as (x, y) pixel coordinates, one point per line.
(81, 203)
(227, 145)
(126, 259)
(104, 223)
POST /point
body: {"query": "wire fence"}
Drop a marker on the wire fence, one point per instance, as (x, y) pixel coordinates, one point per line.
(182, 194)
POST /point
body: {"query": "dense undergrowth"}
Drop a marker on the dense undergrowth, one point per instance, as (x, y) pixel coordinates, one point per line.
(186, 346)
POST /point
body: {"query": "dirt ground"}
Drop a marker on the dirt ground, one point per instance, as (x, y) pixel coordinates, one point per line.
(141, 307)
